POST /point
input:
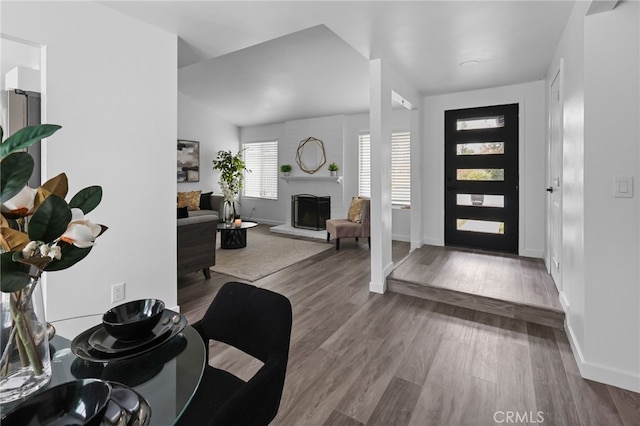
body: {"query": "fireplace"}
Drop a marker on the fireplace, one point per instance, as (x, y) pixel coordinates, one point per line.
(310, 211)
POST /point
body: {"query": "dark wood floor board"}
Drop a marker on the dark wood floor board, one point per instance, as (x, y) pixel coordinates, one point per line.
(338, 419)
(515, 391)
(363, 323)
(553, 393)
(363, 395)
(482, 359)
(317, 403)
(594, 403)
(513, 330)
(325, 326)
(628, 405)
(396, 405)
(564, 347)
(374, 355)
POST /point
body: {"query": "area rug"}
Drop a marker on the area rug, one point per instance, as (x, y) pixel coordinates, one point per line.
(264, 255)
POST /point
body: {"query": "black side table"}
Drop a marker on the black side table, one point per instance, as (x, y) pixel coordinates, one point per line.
(234, 237)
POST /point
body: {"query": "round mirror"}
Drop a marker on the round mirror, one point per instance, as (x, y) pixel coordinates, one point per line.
(310, 156)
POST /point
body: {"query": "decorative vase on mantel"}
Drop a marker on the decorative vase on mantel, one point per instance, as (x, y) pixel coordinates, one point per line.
(229, 213)
(25, 363)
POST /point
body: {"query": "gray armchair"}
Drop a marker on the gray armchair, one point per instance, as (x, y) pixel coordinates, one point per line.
(356, 225)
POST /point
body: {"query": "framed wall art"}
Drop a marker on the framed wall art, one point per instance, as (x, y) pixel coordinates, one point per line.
(188, 161)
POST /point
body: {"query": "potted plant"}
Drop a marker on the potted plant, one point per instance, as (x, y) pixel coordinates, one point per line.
(285, 169)
(232, 168)
(333, 169)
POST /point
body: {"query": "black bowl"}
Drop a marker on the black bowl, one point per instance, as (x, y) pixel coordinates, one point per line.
(133, 320)
(81, 402)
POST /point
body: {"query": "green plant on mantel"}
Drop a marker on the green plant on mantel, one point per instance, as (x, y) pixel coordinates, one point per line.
(231, 169)
(285, 168)
(333, 167)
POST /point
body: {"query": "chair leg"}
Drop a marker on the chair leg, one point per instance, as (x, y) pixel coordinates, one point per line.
(207, 273)
(337, 244)
(356, 239)
(328, 236)
(369, 240)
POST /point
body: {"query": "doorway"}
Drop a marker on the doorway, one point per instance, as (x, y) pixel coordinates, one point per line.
(481, 178)
(554, 237)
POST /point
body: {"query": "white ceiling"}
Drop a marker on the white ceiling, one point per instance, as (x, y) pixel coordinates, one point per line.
(255, 62)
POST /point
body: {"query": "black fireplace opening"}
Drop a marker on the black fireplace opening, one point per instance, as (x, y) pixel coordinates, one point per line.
(310, 211)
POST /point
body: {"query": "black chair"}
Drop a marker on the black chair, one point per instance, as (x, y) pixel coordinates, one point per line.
(258, 322)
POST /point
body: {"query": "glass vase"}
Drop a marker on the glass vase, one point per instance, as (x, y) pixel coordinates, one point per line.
(25, 363)
(229, 212)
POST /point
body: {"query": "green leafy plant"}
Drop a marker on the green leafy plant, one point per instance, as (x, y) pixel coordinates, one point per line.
(232, 168)
(333, 167)
(285, 168)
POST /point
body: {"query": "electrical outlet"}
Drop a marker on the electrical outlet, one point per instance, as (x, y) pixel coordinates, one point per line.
(117, 292)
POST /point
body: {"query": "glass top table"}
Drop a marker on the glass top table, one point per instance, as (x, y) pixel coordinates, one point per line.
(234, 236)
(167, 377)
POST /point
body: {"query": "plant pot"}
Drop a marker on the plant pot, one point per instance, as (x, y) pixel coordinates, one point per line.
(25, 365)
(285, 174)
(333, 173)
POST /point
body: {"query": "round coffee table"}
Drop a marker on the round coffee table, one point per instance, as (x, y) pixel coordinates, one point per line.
(232, 236)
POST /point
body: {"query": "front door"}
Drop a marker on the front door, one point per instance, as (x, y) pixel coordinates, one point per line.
(481, 178)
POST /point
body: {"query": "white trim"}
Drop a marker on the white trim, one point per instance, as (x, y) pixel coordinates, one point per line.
(539, 254)
(600, 373)
(381, 288)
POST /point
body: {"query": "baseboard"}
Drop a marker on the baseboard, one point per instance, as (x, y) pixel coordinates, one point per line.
(601, 373)
(539, 254)
(175, 309)
(403, 238)
(264, 221)
(433, 242)
(566, 307)
(376, 287)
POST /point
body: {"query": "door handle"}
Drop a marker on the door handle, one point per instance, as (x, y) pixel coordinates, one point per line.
(550, 189)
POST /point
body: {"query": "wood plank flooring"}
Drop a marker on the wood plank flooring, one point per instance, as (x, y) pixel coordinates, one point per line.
(502, 284)
(359, 358)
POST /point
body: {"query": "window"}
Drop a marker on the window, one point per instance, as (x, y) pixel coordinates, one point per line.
(400, 167)
(262, 159)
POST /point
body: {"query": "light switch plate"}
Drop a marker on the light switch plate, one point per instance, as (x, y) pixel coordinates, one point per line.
(623, 187)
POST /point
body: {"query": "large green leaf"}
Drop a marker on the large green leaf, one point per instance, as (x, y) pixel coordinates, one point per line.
(26, 137)
(15, 171)
(13, 276)
(50, 220)
(87, 199)
(70, 256)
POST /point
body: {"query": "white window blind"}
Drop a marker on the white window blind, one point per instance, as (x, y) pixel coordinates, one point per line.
(262, 159)
(364, 166)
(400, 167)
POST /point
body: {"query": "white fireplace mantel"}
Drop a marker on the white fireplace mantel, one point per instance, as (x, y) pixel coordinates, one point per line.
(337, 179)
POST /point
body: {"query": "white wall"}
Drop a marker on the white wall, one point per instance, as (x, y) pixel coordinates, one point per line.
(289, 135)
(601, 234)
(612, 225)
(197, 123)
(532, 157)
(111, 82)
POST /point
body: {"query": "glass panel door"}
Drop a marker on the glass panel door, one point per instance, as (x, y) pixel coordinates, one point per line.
(481, 178)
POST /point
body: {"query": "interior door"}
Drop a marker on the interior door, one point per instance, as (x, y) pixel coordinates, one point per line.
(554, 189)
(481, 178)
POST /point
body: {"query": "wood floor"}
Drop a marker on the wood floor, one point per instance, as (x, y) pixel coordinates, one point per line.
(503, 284)
(361, 358)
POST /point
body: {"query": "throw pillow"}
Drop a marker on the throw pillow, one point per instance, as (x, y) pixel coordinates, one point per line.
(191, 200)
(205, 201)
(183, 212)
(355, 210)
